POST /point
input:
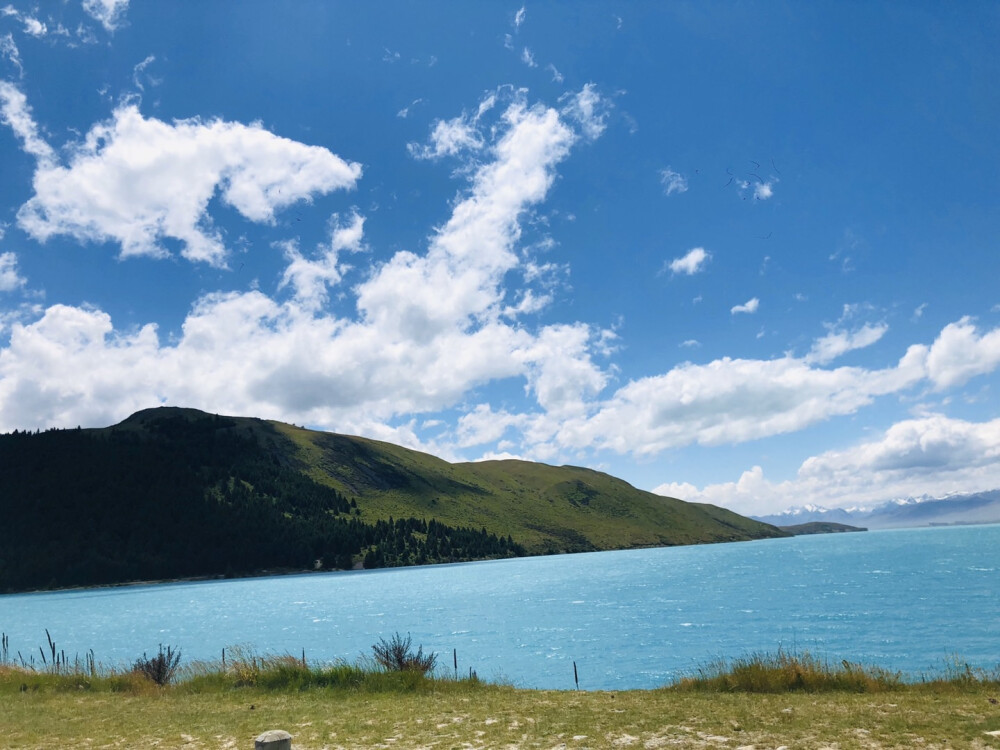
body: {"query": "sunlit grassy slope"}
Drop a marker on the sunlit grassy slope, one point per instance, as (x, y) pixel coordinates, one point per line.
(343, 706)
(545, 508)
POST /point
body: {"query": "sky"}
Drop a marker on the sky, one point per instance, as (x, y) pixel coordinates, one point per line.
(734, 252)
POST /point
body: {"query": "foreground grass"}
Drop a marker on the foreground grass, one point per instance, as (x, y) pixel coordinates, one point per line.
(346, 706)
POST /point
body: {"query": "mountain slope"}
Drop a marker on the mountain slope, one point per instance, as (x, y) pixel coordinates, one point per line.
(545, 508)
(176, 492)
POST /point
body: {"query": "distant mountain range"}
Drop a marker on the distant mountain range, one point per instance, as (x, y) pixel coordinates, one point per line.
(974, 508)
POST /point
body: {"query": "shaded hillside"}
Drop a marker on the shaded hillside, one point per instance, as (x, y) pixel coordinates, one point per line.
(175, 492)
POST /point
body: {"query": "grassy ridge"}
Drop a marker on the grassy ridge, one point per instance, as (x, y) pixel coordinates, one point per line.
(358, 706)
(544, 508)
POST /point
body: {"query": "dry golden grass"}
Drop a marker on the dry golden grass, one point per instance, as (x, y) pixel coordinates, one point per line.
(465, 715)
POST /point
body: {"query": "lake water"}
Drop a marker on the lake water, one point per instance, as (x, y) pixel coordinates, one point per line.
(907, 600)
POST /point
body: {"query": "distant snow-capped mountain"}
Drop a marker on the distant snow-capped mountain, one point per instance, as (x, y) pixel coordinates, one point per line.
(978, 507)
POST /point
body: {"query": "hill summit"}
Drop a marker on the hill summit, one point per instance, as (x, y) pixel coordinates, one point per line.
(173, 492)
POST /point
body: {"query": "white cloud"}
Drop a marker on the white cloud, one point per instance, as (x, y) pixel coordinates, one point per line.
(449, 138)
(732, 401)
(933, 455)
(311, 278)
(9, 50)
(519, 17)
(109, 13)
(589, 109)
(428, 328)
(763, 190)
(140, 69)
(483, 425)
(474, 249)
(960, 353)
(750, 307)
(528, 58)
(691, 343)
(405, 111)
(15, 112)
(135, 181)
(673, 182)
(34, 27)
(837, 343)
(690, 263)
(10, 279)
(557, 77)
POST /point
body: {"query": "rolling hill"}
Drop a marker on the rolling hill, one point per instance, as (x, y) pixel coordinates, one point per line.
(173, 492)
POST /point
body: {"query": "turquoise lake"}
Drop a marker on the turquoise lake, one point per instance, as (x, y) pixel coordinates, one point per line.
(910, 600)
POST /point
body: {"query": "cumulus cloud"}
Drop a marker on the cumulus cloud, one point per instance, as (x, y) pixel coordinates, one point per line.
(934, 455)
(729, 401)
(756, 187)
(109, 13)
(763, 190)
(135, 180)
(429, 327)
(690, 263)
(34, 27)
(312, 277)
(589, 109)
(483, 426)
(960, 353)
(836, 343)
(750, 307)
(449, 138)
(10, 279)
(673, 182)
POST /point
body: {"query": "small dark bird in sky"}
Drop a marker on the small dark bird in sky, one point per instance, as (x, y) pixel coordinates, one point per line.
(775, 168)
(767, 236)
(756, 164)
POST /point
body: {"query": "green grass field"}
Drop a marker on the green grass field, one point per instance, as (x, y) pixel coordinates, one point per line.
(758, 702)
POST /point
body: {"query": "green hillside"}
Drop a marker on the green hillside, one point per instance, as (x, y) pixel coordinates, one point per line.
(176, 492)
(546, 508)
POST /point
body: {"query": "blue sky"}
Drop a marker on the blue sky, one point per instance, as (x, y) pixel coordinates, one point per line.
(740, 253)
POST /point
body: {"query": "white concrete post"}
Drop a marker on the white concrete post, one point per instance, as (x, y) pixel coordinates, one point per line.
(273, 739)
